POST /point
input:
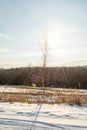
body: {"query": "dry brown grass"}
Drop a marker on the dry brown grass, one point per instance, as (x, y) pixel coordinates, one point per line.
(46, 96)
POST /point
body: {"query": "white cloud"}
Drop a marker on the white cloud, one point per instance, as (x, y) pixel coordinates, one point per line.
(56, 57)
(5, 50)
(4, 36)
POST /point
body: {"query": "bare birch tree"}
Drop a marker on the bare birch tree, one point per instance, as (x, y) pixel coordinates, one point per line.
(45, 56)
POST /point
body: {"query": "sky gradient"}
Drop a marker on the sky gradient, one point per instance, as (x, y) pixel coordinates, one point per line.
(22, 27)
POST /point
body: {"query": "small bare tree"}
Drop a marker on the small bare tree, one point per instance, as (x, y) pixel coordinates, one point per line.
(45, 56)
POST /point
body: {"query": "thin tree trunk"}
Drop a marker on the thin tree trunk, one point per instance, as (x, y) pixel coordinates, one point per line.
(45, 60)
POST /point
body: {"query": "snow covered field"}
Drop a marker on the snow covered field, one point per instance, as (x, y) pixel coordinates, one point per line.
(23, 116)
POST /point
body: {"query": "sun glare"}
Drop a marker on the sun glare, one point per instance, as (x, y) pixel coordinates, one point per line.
(53, 37)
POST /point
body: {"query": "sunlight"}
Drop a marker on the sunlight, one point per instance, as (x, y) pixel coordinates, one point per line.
(59, 35)
(54, 36)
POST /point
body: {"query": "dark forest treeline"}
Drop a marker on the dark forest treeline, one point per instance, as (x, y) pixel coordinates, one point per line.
(64, 77)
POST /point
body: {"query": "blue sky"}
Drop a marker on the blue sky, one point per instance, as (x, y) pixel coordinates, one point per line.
(22, 27)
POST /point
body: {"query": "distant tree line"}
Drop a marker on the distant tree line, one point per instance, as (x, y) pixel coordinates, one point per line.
(64, 77)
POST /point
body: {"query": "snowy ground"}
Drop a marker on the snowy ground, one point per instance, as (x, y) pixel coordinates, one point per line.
(19, 116)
